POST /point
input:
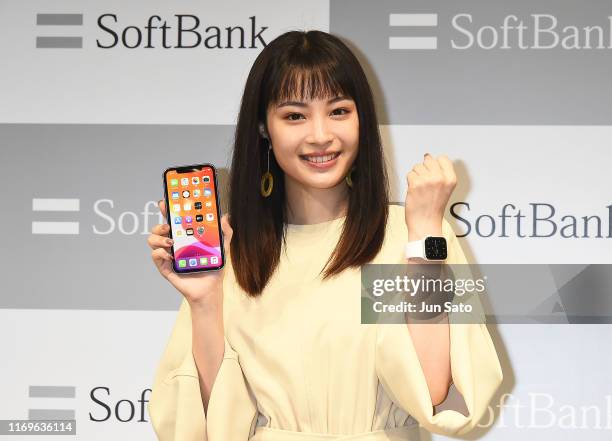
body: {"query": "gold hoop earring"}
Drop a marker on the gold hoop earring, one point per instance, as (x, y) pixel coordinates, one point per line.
(349, 179)
(267, 180)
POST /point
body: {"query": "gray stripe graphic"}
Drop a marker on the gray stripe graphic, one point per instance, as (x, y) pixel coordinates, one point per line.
(52, 391)
(59, 19)
(55, 228)
(55, 204)
(108, 265)
(51, 414)
(494, 63)
(413, 19)
(59, 42)
(413, 43)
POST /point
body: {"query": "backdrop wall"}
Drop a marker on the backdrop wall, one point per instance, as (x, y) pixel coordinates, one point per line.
(96, 100)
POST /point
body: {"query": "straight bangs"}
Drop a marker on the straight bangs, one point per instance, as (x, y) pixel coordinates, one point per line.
(299, 82)
(306, 76)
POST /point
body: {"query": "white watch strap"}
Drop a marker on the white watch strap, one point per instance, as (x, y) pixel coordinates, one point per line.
(415, 248)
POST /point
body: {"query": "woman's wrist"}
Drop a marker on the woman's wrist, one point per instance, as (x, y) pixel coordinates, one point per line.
(208, 304)
(421, 230)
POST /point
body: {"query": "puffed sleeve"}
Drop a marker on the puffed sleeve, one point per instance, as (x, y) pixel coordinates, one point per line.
(475, 367)
(175, 405)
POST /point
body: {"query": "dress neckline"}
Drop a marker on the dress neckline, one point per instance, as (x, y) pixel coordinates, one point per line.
(315, 226)
(314, 231)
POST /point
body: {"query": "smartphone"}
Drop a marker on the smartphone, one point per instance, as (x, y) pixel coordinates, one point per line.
(194, 216)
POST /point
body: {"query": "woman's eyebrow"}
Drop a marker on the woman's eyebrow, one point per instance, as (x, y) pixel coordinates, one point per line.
(301, 104)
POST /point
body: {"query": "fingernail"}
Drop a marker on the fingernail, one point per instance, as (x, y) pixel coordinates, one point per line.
(425, 154)
(169, 241)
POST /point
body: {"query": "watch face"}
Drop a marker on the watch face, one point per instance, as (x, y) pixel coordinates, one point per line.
(435, 248)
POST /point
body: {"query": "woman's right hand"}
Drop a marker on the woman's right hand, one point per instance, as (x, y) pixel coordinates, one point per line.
(197, 288)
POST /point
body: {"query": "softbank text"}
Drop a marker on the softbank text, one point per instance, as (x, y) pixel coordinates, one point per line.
(540, 31)
(540, 220)
(187, 33)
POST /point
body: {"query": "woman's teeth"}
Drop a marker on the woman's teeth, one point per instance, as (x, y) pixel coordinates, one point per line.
(319, 159)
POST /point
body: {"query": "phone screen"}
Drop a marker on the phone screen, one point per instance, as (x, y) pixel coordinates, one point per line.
(193, 216)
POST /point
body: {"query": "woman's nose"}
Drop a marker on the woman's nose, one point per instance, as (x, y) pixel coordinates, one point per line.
(320, 132)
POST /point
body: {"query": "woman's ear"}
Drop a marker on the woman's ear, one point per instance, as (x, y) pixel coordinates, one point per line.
(262, 131)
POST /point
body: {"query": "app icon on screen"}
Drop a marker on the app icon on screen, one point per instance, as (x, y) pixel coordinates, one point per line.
(182, 263)
(207, 192)
(200, 230)
(189, 231)
(198, 205)
(188, 219)
(196, 192)
(193, 262)
(174, 182)
(205, 178)
(176, 207)
(203, 261)
(210, 217)
(177, 219)
(184, 181)
(175, 195)
(195, 180)
(179, 233)
(214, 259)
(186, 193)
(187, 206)
(209, 204)
(199, 218)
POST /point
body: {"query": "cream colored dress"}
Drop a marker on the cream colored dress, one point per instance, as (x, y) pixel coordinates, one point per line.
(299, 365)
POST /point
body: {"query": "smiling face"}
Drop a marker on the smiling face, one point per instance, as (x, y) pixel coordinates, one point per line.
(315, 142)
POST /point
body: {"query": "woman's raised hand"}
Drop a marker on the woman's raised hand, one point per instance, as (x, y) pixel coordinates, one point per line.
(197, 288)
(430, 185)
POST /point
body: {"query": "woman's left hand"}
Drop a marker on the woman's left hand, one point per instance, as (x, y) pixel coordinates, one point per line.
(430, 185)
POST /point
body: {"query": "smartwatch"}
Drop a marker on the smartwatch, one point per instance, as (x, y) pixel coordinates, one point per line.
(430, 248)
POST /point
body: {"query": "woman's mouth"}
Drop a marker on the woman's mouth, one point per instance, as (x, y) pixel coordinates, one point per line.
(321, 162)
(325, 160)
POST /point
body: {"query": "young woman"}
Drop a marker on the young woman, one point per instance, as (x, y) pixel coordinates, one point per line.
(272, 348)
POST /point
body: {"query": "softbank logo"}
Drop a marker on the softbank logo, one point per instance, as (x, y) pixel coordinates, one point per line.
(107, 219)
(413, 20)
(49, 413)
(465, 31)
(55, 205)
(180, 31)
(52, 23)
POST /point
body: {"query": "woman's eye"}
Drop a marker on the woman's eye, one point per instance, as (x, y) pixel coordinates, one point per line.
(289, 117)
(298, 116)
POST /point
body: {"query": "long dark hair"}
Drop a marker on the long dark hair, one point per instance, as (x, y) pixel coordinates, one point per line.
(302, 65)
